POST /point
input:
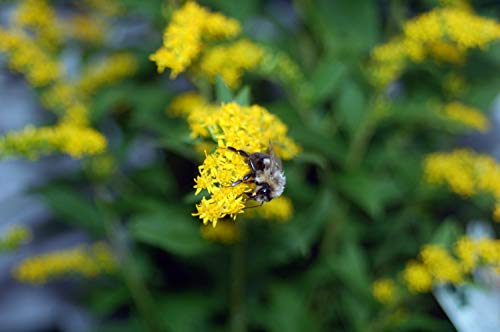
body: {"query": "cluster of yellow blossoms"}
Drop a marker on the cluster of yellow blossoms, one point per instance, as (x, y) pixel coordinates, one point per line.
(384, 290)
(14, 237)
(249, 128)
(187, 40)
(466, 173)
(437, 266)
(30, 46)
(467, 116)
(443, 33)
(230, 61)
(86, 261)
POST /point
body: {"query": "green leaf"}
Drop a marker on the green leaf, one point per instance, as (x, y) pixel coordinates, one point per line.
(222, 91)
(172, 229)
(186, 311)
(73, 208)
(446, 233)
(351, 105)
(326, 78)
(370, 193)
(287, 311)
(243, 96)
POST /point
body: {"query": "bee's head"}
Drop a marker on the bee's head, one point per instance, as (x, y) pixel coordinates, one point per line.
(263, 193)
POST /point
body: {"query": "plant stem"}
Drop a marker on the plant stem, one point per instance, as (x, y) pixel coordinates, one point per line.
(140, 294)
(238, 308)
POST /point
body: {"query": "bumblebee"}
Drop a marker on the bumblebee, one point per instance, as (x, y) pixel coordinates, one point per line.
(266, 171)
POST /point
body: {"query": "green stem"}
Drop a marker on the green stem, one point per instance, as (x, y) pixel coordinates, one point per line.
(359, 144)
(140, 294)
(238, 309)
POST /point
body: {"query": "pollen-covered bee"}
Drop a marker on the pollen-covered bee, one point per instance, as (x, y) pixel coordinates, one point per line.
(266, 171)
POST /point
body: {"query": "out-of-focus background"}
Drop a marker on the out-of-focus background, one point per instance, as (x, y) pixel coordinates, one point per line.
(390, 216)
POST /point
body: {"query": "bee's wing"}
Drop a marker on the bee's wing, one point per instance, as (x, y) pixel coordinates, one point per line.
(275, 160)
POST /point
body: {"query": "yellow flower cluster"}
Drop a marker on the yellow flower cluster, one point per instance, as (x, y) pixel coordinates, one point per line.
(25, 56)
(14, 237)
(417, 277)
(86, 261)
(466, 173)
(38, 16)
(442, 267)
(468, 116)
(437, 265)
(186, 102)
(384, 290)
(279, 209)
(109, 70)
(184, 37)
(74, 140)
(443, 33)
(248, 128)
(226, 233)
(231, 61)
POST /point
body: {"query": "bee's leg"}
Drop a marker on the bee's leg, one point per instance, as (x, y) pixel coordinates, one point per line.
(244, 179)
(241, 152)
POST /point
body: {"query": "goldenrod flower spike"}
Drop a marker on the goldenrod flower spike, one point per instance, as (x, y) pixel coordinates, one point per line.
(467, 116)
(86, 261)
(226, 233)
(384, 290)
(183, 38)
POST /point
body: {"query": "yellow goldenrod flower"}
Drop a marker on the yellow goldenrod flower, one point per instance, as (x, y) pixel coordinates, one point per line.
(111, 69)
(465, 249)
(384, 290)
(41, 18)
(184, 103)
(443, 33)
(183, 37)
(466, 172)
(66, 138)
(417, 277)
(488, 251)
(86, 261)
(226, 232)
(440, 264)
(25, 56)
(248, 128)
(279, 66)
(15, 236)
(279, 209)
(230, 61)
(468, 116)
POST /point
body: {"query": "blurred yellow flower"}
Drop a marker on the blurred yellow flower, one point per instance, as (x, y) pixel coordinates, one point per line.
(226, 232)
(248, 128)
(186, 102)
(443, 33)
(38, 16)
(25, 56)
(183, 38)
(441, 265)
(230, 61)
(14, 236)
(87, 28)
(417, 277)
(110, 69)
(32, 142)
(466, 115)
(465, 250)
(467, 173)
(384, 290)
(86, 261)
(279, 209)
